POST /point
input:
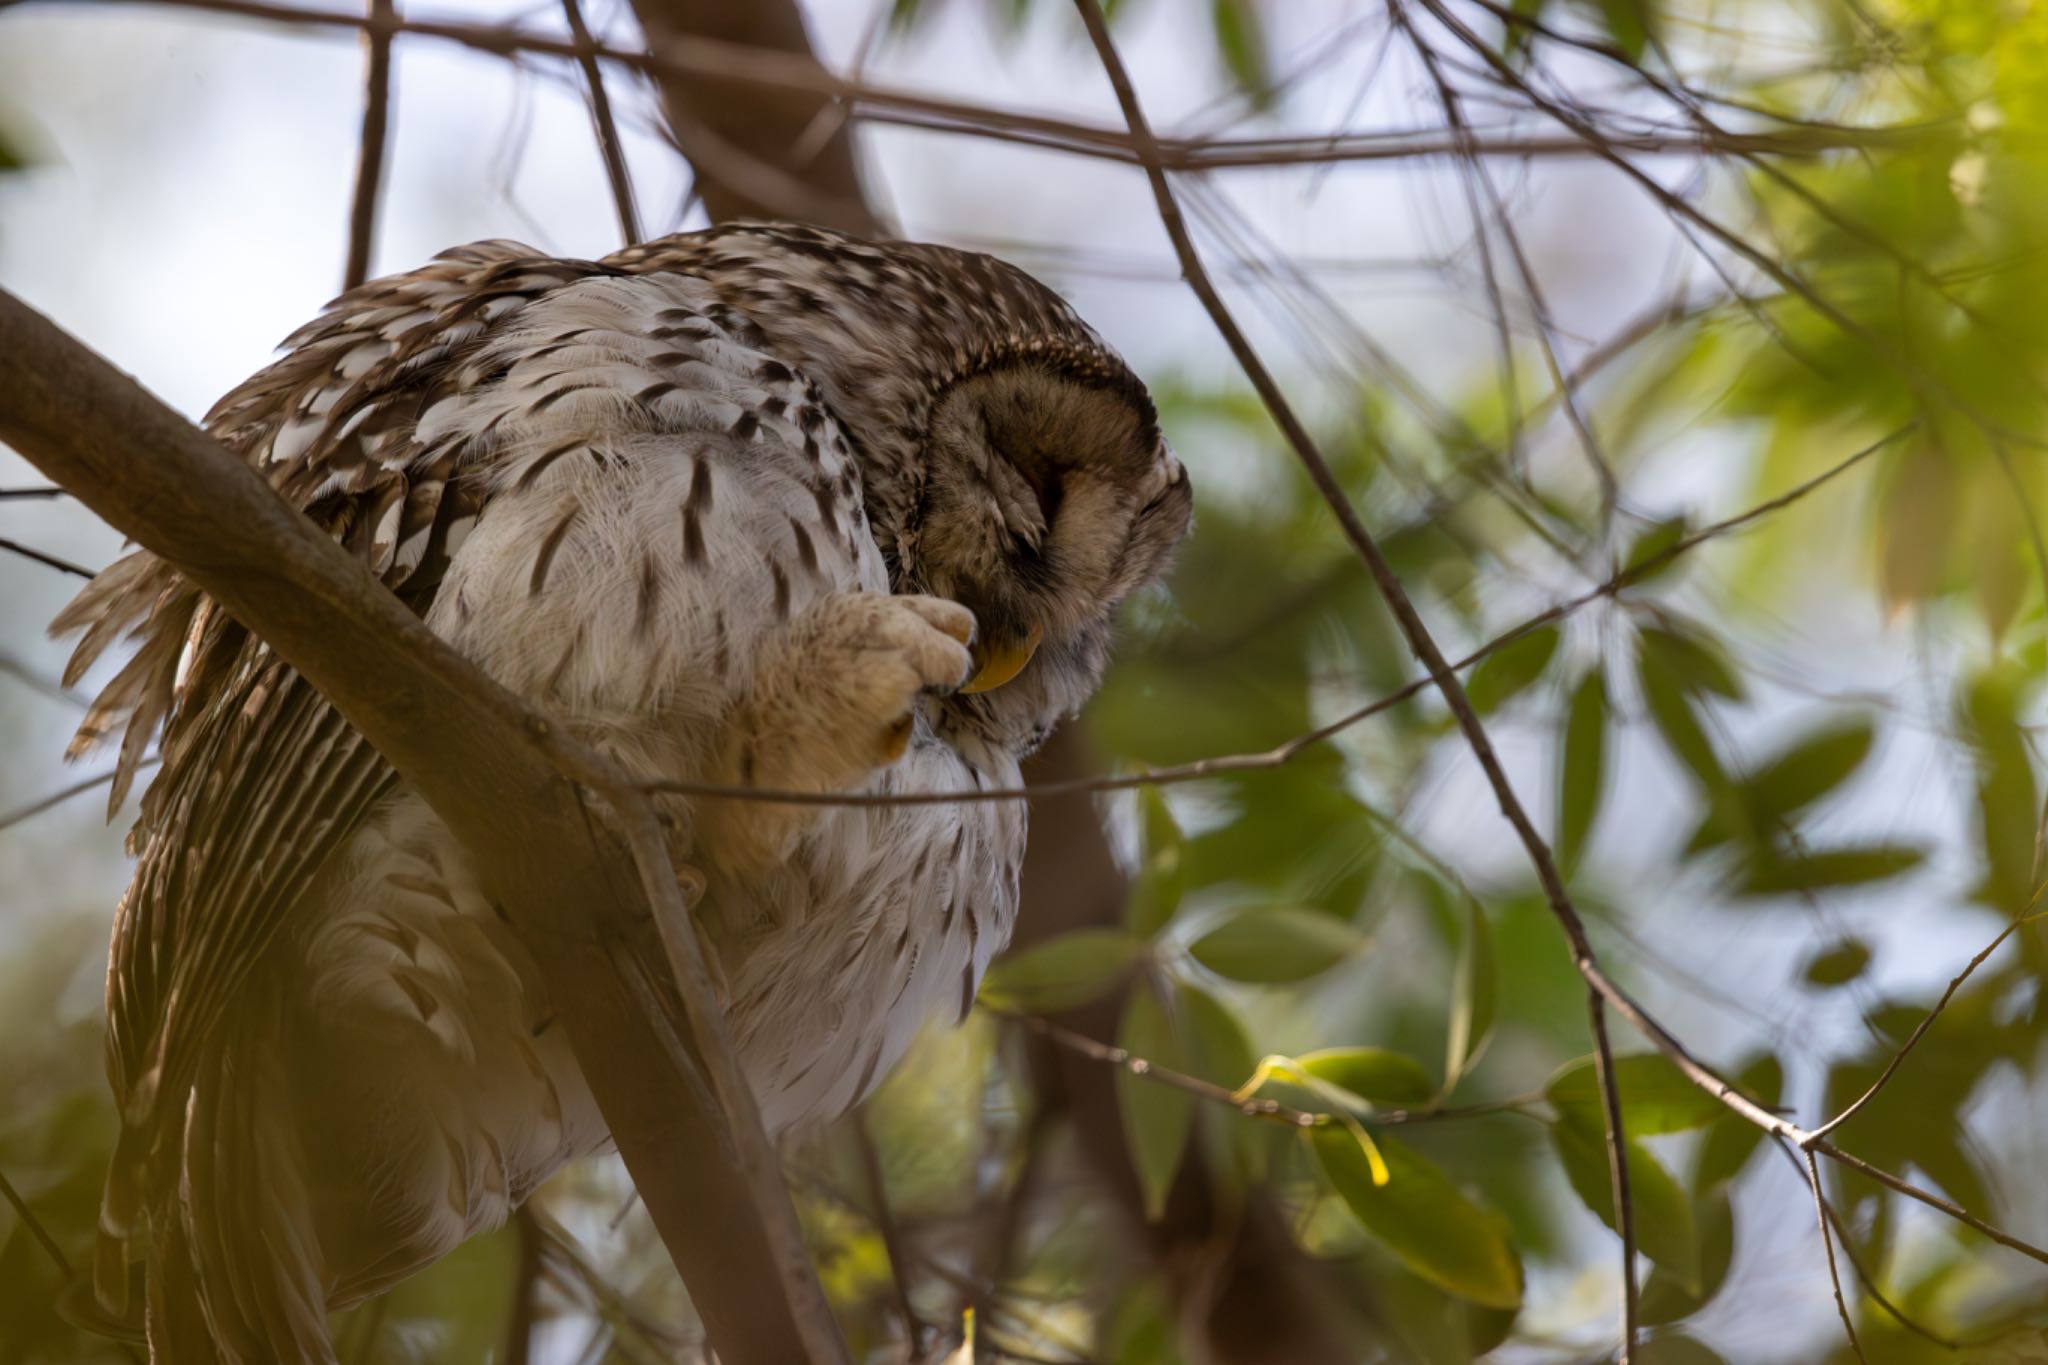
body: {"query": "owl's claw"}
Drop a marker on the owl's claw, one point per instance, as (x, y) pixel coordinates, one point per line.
(692, 882)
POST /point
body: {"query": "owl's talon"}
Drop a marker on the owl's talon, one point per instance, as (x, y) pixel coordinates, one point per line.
(691, 882)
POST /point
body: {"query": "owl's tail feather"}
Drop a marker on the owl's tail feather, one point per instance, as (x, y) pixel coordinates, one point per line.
(232, 1269)
(179, 1333)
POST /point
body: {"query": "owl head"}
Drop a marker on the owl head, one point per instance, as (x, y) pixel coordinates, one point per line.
(1010, 460)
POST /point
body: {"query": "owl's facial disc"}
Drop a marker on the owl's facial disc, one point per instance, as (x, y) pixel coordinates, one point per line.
(1047, 499)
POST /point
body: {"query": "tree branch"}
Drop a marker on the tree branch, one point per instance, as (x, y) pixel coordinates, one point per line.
(362, 218)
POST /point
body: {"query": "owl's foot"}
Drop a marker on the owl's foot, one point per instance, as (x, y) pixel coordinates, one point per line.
(836, 697)
(691, 883)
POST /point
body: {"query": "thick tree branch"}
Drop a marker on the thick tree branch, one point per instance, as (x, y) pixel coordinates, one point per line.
(510, 786)
(742, 149)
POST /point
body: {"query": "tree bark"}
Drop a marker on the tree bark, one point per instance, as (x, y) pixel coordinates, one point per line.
(757, 153)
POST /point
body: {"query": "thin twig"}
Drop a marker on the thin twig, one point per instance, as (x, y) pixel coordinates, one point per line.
(43, 557)
(35, 1227)
(34, 808)
(608, 144)
(1827, 1242)
(1926, 1022)
(1251, 1107)
(892, 1232)
(24, 494)
(520, 1321)
(1617, 1169)
(734, 64)
(371, 145)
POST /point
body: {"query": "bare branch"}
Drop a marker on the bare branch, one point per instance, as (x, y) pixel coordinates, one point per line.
(45, 558)
(1617, 1169)
(1827, 1242)
(608, 145)
(376, 134)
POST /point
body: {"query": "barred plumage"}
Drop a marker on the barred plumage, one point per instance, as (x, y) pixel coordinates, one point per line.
(723, 503)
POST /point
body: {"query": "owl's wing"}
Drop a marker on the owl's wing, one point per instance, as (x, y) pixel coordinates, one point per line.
(261, 780)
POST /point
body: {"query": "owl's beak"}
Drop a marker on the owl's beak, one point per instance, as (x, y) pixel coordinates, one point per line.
(996, 662)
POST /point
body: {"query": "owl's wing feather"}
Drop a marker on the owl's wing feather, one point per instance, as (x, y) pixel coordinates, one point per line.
(261, 780)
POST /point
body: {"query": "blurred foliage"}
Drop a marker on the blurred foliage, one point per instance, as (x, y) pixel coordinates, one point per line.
(1322, 934)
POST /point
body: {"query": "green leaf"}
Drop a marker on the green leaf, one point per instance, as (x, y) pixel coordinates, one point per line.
(1677, 1350)
(1671, 711)
(1657, 539)
(1581, 767)
(1241, 40)
(1275, 944)
(1839, 964)
(2008, 802)
(1220, 1049)
(1664, 1299)
(1655, 1097)
(1510, 669)
(1162, 879)
(1693, 661)
(1803, 773)
(1424, 1219)
(1371, 1073)
(1630, 23)
(1475, 995)
(1156, 1116)
(1663, 1213)
(1062, 973)
(1772, 873)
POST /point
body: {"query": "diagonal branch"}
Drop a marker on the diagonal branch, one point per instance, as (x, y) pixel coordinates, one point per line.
(478, 754)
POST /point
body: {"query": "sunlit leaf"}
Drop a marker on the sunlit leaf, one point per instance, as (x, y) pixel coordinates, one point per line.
(1510, 669)
(1371, 1073)
(1156, 1116)
(1581, 767)
(1772, 873)
(1424, 1219)
(1655, 1096)
(1663, 1213)
(1475, 996)
(1275, 944)
(1062, 973)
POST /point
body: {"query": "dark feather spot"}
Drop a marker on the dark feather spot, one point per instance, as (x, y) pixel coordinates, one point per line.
(781, 582)
(650, 592)
(548, 546)
(540, 463)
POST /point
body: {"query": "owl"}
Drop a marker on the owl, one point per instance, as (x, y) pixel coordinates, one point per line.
(764, 505)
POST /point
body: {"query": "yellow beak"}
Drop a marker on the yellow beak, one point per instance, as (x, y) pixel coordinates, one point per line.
(996, 664)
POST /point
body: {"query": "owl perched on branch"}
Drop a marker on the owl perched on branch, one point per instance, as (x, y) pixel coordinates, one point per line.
(764, 505)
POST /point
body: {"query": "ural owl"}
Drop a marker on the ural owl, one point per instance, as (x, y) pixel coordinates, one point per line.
(749, 505)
